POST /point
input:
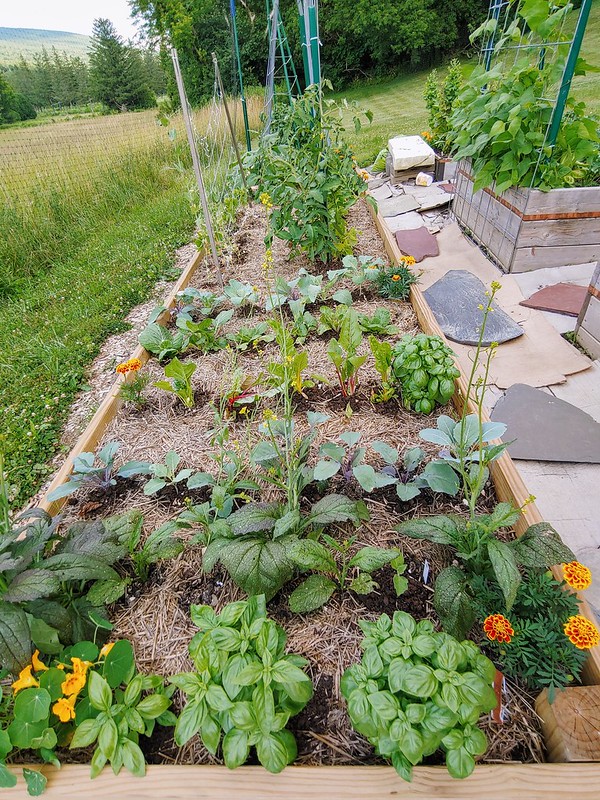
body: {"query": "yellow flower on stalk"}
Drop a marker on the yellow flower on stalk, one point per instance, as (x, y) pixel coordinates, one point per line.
(495, 285)
(244, 410)
(269, 415)
(38, 665)
(64, 708)
(25, 680)
(581, 632)
(265, 200)
(106, 649)
(577, 576)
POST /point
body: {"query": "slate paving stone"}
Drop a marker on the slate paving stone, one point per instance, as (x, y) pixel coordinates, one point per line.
(429, 197)
(375, 183)
(397, 205)
(381, 193)
(545, 428)
(417, 243)
(404, 222)
(562, 298)
(455, 301)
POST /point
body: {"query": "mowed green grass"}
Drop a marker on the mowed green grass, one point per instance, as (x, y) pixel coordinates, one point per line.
(399, 109)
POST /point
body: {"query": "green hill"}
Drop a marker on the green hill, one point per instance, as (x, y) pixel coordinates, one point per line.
(15, 42)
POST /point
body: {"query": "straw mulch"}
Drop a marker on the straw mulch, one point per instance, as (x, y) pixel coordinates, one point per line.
(155, 617)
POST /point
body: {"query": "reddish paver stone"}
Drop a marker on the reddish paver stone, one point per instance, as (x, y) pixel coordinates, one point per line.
(562, 298)
(417, 243)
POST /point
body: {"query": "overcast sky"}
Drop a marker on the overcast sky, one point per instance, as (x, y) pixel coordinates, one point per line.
(75, 16)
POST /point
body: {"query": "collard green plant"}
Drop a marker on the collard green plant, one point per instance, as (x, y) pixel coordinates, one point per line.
(166, 474)
(244, 688)
(247, 337)
(416, 691)
(539, 653)
(295, 293)
(359, 269)
(343, 353)
(347, 459)
(162, 343)
(206, 334)
(53, 588)
(241, 294)
(436, 475)
(480, 552)
(189, 304)
(424, 368)
(328, 576)
(180, 382)
(98, 471)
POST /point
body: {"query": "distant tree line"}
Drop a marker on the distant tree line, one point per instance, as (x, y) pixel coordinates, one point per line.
(360, 38)
(119, 75)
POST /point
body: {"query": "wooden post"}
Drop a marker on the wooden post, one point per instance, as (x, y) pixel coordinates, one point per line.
(571, 724)
(229, 122)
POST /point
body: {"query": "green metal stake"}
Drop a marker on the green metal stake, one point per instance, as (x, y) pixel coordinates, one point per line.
(565, 86)
(241, 79)
(314, 42)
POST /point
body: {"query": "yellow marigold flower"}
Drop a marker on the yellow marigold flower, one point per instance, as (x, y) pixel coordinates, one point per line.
(581, 632)
(38, 665)
(576, 575)
(134, 364)
(122, 369)
(25, 680)
(426, 135)
(409, 260)
(497, 627)
(395, 278)
(106, 649)
(65, 708)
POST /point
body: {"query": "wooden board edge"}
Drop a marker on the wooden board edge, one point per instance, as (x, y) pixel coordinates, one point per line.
(508, 483)
(184, 782)
(109, 407)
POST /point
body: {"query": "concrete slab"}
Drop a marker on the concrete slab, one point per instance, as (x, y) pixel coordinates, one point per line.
(561, 298)
(397, 205)
(375, 183)
(457, 301)
(433, 196)
(542, 427)
(410, 152)
(560, 322)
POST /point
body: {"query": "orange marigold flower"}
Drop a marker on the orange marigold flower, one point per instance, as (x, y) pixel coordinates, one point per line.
(25, 680)
(65, 708)
(395, 278)
(123, 368)
(38, 665)
(581, 632)
(134, 364)
(576, 575)
(409, 260)
(497, 627)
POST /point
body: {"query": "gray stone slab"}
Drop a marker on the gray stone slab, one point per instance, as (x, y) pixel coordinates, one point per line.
(546, 428)
(397, 205)
(455, 301)
(404, 222)
(429, 196)
(375, 183)
(382, 192)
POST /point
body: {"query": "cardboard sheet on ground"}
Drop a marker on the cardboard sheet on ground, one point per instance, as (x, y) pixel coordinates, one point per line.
(541, 357)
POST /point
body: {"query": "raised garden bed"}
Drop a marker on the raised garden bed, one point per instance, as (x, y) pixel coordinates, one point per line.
(157, 620)
(527, 229)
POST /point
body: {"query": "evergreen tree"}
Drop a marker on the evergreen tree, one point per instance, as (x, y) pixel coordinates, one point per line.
(117, 76)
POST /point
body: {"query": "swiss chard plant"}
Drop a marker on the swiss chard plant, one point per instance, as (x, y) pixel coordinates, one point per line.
(285, 374)
(384, 362)
(334, 569)
(343, 353)
(416, 691)
(179, 374)
(244, 688)
(98, 471)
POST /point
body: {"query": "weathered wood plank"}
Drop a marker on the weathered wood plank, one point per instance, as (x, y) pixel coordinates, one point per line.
(529, 258)
(488, 782)
(559, 232)
(112, 402)
(580, 199)
(507, 480)
(571, 724)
